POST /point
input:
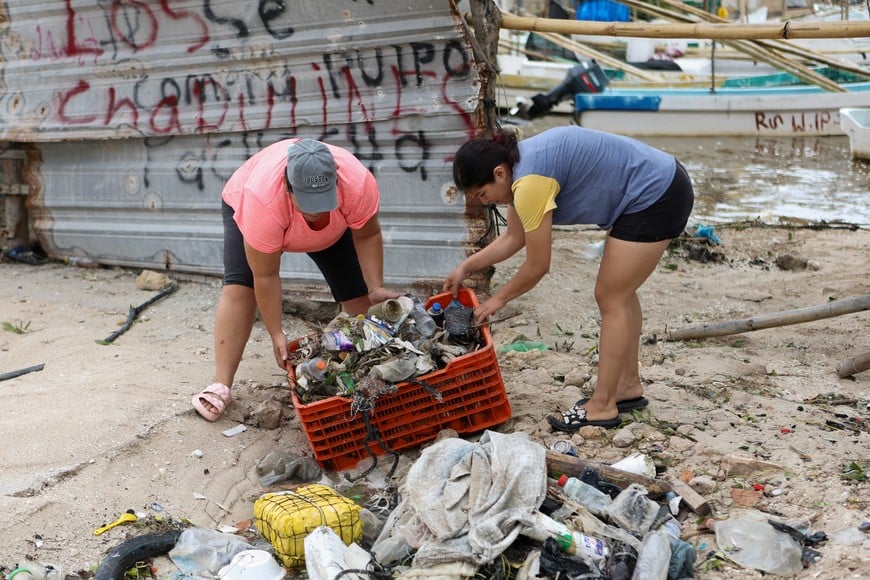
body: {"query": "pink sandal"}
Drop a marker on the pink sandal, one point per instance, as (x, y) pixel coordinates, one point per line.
(218, 396)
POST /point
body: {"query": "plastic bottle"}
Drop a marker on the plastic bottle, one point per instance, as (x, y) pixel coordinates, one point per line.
(313, 370)
(587, 547)
(37, 571)
(436, 311)
(592, 499)
(758, 545)
(426, 326)
(654, 557)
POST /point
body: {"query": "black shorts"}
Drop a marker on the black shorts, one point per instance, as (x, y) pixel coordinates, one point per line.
(338, 263)
(665, 219)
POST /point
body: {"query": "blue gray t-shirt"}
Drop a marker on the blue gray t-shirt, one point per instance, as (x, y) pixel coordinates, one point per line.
(601, 176)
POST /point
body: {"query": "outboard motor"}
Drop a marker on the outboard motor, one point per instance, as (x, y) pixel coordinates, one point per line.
(586, 77)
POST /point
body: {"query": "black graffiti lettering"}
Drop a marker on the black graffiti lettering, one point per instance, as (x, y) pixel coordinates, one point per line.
(270, 11)
(215, 163)
(196, 90)
(335, 71)
(400, 64)
(378, 78)
(242, 30)
(420, 154)
(189, 169)
(357, 149)
(460, 70)
(424, 53)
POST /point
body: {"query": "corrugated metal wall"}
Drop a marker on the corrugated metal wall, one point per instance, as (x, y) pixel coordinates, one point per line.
(140, 111)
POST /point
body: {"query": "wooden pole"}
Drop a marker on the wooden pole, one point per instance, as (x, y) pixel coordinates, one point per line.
(784, 318)
(853, 365)
(701, 30)
(572, 466)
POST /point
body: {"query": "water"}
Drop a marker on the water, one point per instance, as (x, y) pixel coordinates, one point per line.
(771, 179)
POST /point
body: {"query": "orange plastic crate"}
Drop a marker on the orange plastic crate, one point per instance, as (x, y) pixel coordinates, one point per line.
(473, 399)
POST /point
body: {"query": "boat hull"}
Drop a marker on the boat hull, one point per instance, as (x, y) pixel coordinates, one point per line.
(781, 111)
(856, 124)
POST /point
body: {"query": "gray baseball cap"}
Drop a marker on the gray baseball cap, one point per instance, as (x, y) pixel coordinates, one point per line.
(312, 176)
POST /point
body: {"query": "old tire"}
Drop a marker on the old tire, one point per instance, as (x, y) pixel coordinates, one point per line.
(126, 554)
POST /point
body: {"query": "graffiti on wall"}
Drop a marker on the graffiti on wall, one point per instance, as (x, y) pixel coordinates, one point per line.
(163, 69)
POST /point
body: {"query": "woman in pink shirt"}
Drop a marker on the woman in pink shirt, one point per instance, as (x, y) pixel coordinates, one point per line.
(297, 195)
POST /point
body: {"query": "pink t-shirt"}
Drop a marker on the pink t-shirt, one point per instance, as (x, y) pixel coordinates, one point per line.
(269, 222)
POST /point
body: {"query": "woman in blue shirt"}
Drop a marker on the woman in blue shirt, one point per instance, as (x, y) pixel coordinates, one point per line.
(570, 175)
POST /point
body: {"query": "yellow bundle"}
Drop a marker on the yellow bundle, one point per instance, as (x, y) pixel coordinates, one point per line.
(285, 519)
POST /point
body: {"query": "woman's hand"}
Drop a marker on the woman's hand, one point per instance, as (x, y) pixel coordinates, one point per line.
(279, 347)
(454, 281)
(488, 308)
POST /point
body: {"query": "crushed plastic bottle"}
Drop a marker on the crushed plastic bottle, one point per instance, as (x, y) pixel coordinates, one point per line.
(633, 510)
(426, 325)
(315, 369)
(592, 499)
(758, 545)
(395, 370)
(37, 571)
(621, 563)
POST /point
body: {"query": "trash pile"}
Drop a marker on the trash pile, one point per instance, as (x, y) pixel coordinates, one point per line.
(363, 357)
(484, 509)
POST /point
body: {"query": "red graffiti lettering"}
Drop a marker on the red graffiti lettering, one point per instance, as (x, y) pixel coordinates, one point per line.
(203, 38)
(114, 106)
(81, 88)
(170, 105)
(199, 89)
(353, 94)
(73, 48)
(142, 17)
(399, 110)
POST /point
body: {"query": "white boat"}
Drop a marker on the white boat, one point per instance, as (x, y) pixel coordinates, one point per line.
(856, 124)
(797, 110)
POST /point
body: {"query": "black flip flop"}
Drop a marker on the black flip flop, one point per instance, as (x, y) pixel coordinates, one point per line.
(575, 418)
(622, 406)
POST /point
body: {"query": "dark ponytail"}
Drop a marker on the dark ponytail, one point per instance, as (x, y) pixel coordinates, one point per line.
(475, 161)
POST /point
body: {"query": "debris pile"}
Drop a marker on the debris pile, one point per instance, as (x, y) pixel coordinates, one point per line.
(366, 356)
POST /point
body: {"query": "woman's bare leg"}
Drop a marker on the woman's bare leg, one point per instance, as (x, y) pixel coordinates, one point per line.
(625, 266)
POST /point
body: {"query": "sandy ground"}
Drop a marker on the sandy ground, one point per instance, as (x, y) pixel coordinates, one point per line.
(107, 428)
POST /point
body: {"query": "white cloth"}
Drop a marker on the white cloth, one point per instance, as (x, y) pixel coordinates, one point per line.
(467, 502)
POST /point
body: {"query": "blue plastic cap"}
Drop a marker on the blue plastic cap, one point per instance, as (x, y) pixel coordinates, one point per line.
(436, 307)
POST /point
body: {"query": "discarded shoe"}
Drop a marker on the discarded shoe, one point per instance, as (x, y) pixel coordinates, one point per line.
(622, 406)
(575, 418)
(218, 396)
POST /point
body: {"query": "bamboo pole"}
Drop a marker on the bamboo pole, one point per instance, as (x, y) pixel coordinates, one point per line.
(784, 318)
(853, 365)
(752, 48)
(702, 30)
(602, 58)
(779, 45)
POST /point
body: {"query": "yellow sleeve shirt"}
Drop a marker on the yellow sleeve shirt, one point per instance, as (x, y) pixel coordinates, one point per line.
(534, 196)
